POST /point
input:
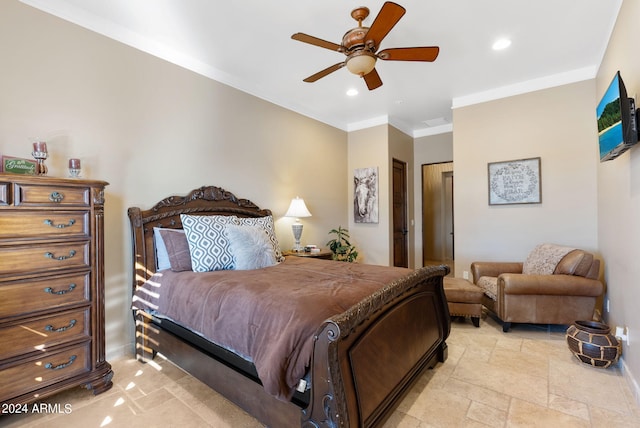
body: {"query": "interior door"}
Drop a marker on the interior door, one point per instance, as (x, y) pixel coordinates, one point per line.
(400, 229)
(448, 215)
(437, 213)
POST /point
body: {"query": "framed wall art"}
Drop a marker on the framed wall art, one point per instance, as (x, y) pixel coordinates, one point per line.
(365, 195)
(515, 182)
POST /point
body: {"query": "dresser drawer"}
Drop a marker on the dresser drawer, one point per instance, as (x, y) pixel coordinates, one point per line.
(44, 257)
(40, 334)
(47, 369)
(52, 293)
(41, 224)
(5, 193)
(53, 196)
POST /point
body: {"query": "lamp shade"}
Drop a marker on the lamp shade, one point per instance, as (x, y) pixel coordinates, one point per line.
(297, 209)
(361, 64)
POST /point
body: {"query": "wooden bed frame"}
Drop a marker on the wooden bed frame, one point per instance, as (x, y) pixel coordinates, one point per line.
(363, 362)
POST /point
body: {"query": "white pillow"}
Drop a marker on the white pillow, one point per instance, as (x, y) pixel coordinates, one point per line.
(208, 244)
(266, 223)
(250, 246)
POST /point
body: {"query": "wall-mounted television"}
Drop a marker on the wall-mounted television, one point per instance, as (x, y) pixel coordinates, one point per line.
(617, 121)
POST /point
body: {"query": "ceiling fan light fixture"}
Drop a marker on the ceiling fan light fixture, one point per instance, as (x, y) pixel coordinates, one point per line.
(361, 63)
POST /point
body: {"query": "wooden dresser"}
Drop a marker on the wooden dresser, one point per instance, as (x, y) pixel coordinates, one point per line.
(51, 287)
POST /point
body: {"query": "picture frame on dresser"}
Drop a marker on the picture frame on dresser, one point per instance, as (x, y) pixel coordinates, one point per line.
(51, 287)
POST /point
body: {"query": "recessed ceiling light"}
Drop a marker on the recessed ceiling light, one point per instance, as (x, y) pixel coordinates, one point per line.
(352, 92)
(500, 44)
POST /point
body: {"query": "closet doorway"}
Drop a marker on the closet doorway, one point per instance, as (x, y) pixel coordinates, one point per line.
(437, 214)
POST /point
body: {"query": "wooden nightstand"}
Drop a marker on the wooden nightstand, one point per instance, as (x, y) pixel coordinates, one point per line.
(322, 254)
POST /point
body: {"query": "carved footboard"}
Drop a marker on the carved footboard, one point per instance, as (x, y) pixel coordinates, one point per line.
(366, 359)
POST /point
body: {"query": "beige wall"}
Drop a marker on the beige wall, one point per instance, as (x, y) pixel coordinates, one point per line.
(557, 125)
(153, 129)
(370, 148)
(619, 196)
(377, 147)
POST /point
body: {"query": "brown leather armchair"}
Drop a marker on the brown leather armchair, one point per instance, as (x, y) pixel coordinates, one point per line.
(546, 289)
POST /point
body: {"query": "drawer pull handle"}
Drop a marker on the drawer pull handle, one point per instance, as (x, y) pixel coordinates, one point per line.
(61, 329)
(60, 366)
(50, 290)
(61, 225)
(56, 197)
(51, 256)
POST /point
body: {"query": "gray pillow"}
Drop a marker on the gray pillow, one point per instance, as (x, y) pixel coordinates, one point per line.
(265, 223)
(250, 246)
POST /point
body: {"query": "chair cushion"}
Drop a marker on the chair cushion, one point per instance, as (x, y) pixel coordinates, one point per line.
(577, 262)
(544, 259)
(489, 285)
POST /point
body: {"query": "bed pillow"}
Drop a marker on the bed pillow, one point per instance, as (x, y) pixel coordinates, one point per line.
(177, 247)
(208, 244)
(265, 223)
(250, 246)
(162, 257)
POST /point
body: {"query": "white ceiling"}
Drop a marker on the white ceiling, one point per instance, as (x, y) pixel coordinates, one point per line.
(247, 44)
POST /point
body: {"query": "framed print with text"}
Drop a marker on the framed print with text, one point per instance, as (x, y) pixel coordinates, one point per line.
(515, 182)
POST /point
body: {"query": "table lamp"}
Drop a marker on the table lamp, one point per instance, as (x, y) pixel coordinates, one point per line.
(297, 209)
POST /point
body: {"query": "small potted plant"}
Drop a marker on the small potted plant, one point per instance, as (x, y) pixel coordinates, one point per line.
(341, 247)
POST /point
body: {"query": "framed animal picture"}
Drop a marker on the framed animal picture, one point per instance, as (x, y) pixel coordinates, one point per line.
(365, 195)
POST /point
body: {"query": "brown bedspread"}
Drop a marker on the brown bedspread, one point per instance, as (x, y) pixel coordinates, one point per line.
(268, 315)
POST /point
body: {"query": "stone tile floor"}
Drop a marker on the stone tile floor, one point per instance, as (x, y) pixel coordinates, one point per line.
(524, 378)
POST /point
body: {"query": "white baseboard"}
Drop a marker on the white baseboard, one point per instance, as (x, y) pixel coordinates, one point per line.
(631, 381)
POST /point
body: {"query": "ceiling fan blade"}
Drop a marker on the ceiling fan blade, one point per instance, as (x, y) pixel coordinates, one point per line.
(428, 53)
(301, 37)
(321, 74)
(388, 17)
(373, 80)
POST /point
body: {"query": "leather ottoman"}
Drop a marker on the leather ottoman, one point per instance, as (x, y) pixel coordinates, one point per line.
(464, 299)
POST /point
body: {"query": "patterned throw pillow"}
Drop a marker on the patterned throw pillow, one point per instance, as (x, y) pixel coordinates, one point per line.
(267, 224)
(544, 258)
(208, 244)
(250, 246)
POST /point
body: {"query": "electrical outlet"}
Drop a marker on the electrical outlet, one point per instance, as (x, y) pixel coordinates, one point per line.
(628, 337)
(465, 274)
(622, 334)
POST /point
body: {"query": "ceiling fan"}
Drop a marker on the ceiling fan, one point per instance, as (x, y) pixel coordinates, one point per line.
(360, 45)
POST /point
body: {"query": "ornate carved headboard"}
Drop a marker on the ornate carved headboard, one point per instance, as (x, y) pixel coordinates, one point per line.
(207, 200)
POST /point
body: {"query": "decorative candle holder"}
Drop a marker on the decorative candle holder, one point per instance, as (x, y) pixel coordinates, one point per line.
(41, 168)
(40, 153)
(74, 168)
